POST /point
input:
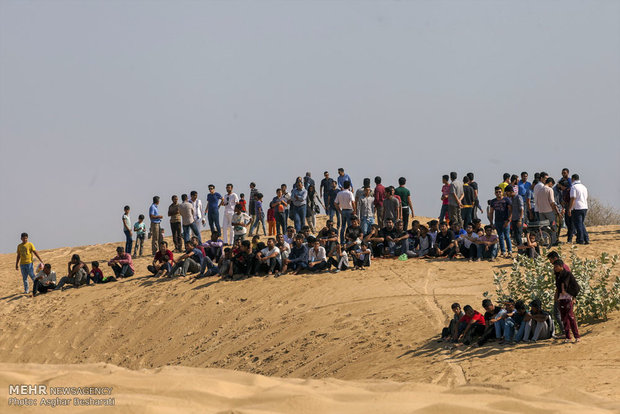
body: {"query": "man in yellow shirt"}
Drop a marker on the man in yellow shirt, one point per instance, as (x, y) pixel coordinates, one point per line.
(25, 250)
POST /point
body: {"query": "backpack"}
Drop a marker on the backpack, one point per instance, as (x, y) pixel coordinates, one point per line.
(572, 287)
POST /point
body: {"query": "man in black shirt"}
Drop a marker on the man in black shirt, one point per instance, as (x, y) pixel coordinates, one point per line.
(490, 319)
(385, 234)
(469, 197)
(398, 241)
(324, 189)
(354, 232)
(444, 243)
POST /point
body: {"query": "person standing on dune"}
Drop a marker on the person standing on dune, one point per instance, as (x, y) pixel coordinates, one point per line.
(25, 250)
(229, 202)
(155, 225)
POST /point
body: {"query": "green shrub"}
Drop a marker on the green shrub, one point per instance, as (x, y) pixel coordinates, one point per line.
(531, 279)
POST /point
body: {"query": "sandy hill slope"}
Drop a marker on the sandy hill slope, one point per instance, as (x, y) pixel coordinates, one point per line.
(341, 330)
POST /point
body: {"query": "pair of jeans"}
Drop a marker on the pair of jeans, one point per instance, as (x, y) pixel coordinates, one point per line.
(139, 245)
(499, 328)
(346, 222)
(280, 222)
(517, 231)
(213, 215)
(366, 224)
(128, 241)
(509, 328)
(177, 235)
(258, 219)
(504, 237)
(187, 265)
(490, 253)
(467, 213)
(27, 270)
(122, 271)
(523, 333)
(570, 228)
(579, 218)
(299, 216)
(443, 212)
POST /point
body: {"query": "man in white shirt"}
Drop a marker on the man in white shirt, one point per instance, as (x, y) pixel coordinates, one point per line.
(44, 280)
(578, 208)
(199, 220)
(229, 202)
(317, 260)
(269, 258)
(537, 189)
(345, 204)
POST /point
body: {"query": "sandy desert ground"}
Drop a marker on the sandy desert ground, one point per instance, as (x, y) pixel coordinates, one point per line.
(356, 341)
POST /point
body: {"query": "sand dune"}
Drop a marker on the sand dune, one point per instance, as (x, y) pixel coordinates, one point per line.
(353, 341)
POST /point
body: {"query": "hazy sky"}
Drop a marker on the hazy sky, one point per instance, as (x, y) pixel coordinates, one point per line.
(107, 103)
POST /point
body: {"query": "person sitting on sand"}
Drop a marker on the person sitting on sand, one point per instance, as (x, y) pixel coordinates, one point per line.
(542, 324)
(77, 272)
(354, 234)
(468, 246)
(567, 289)
(338, 258)
(162, 262)
(361, 256)
(317, 260)
(445, 244)
(268, 259)
(523, 322)
(506, 316)
(373, 240)
(225, 263)
(487, 244)
(190, 262)
(298, 258)
(451, 331)
(531, 248)
(471, 325)
(213, 247)
(398, 241)
(122, 264)
(44, 280)
(384, 236)
(494, 325)
(242, 262)
(433, 230)
(95, 275)
(328, 235)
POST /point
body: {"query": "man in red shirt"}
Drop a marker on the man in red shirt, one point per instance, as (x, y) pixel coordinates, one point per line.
(471, 324)
(379, 197)
(162, 262)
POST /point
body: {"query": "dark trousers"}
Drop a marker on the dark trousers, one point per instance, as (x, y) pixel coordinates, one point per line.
(570, 228)
(579, 217)
(489, 332)
(177, 235)
(269, 265)
(443, 212)
(318, 267)
(405, 217)
(214, 220)
(470, 252)
(517, 231)
(467, 213)
(122, 271)
(41, 288)
(451, 252)
(568, 317)
(475, 330)
(365, 262)
(128, 241)
(280, 222)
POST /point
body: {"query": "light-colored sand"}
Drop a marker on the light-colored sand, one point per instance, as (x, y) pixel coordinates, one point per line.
(341, 330)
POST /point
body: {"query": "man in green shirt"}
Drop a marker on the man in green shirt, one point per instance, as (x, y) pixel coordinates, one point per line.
(405, 200)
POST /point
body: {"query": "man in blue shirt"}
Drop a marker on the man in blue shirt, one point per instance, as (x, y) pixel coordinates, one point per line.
(342, 177)
(298, 197)
(213, 210)
(525, 191)
(156, 236)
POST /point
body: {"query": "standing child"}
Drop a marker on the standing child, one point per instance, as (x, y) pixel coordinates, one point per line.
(127, 230)
(271, 221)
(242, 202)
(140, 229)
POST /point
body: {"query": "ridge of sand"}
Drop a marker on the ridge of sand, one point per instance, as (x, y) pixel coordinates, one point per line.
(379, 325)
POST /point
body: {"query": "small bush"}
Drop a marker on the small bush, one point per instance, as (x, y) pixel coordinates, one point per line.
(534, 279)
(600, 214)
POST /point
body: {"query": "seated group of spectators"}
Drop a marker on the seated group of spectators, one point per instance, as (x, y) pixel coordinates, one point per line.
(514, 322)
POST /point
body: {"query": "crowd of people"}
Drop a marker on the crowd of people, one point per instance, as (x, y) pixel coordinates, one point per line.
(514, 322)
(362, 224)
